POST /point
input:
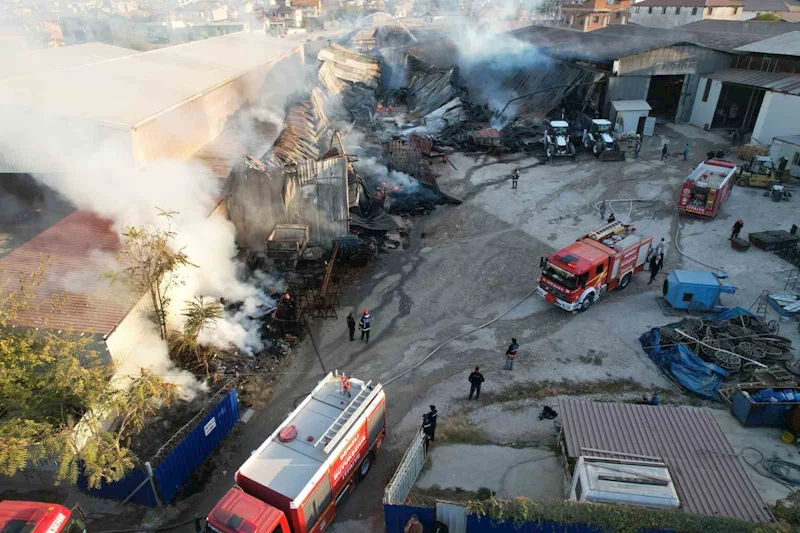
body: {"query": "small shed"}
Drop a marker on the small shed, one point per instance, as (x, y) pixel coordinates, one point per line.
(788, 147)
(632, 116)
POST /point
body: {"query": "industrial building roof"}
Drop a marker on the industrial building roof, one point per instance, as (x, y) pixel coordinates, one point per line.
(691, 3)
(774, 81)
(130, 89)
(707, 474)
(791, 139)
(622, 40)
(74, 253)
(14, 65)
(740, 27)
(786, 44)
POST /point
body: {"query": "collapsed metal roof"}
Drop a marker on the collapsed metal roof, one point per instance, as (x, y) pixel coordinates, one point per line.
(352, 66)
(707, 474)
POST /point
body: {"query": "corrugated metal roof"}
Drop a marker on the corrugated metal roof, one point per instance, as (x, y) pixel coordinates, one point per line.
(707, 474)
(130, 89)
(773, 81)
(787, 44)
(13, 65)
(75, 251)
(691, 3)
(739, 27)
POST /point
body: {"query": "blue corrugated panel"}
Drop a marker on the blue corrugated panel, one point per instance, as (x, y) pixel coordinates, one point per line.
(122, 489)
(396, 516)
(176, 468)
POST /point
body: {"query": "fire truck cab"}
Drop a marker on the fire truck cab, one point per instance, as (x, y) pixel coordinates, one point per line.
(39, 517)
(574, 277)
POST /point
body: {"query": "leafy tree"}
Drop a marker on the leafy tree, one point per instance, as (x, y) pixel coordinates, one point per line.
(57, 393)
(151, 266)
(768, 17)
(200, 314)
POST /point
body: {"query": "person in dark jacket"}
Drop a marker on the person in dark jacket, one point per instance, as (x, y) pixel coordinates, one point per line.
(351, 326)
(429, 423)
(514, 178)
(655, 266)
(737, 227)
(365, 324)
(475, 380)
(664, 152)
(511, 354)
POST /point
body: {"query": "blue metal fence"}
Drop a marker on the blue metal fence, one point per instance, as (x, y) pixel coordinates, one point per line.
(176, 468)
(396, 516)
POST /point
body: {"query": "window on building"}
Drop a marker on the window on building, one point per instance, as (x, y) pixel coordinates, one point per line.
(694, 11)
(735, 10)
(664, 10)
(710, 10)
(796, 158)
(677, 11)
(618, 15)
(595, 19)
(637, 9)
(649, 10)
(707, 90)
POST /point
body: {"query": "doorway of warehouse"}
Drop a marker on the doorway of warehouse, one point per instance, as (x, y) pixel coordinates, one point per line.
(664, 95)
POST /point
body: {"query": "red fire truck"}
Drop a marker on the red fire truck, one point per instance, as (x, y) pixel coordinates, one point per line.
(575, 276)
(706, 188)
(293, 482)
(37, 517)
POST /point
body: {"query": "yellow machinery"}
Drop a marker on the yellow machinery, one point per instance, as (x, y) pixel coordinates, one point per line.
(760, 171)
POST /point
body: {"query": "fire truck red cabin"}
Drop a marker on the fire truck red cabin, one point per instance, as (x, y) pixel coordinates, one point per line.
(707, 188)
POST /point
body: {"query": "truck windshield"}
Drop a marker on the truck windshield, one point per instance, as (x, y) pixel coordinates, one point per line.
(603, 128)
(560, 131)
(560, 276)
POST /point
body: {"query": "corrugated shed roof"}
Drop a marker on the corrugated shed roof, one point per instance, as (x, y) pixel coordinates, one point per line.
(75, 251)
(791, 139)
(773, 81)
(739, 27)
(707, 474)
(786, 44)
(126, 90)
(770, 5)
(14, 65)
(352, 66)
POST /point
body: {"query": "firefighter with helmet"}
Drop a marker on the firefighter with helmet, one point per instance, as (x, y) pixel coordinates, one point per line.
(365, 324)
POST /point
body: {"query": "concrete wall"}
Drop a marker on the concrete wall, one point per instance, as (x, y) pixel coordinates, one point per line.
(181, 131)
(703, 112)
(779, 116)
(678, 16)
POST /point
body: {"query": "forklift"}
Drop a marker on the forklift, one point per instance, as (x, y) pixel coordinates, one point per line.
(760, 172)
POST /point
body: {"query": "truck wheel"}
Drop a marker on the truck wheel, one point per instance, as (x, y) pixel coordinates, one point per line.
(596, 149)
(549, 152)
(625, 281)
(743, 182)
(586, 303)
(365, 466)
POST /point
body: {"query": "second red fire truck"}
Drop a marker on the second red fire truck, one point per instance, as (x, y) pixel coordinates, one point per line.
(294, 481)
(606, 259)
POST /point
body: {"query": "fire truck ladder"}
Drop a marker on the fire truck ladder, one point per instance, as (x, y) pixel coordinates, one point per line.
(336, 430)
(605, 231)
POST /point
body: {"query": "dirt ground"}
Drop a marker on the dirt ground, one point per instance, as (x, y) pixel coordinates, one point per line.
(466, 265)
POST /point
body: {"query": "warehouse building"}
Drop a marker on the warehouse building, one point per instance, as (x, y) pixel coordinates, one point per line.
(170, 103)
(759, 93)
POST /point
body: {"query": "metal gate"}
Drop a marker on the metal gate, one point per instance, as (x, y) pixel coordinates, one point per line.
(453, 515)
(406, 474)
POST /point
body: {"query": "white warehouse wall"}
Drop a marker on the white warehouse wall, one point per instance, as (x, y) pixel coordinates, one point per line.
(703, 112)
(779, 116)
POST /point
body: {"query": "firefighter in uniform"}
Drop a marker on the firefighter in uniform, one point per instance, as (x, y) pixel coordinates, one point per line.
(365, 324)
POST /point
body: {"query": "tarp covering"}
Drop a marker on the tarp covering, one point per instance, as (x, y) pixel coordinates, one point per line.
(732, 313)
(683, 365)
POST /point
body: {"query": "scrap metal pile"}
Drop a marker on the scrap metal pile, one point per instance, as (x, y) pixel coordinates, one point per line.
(699, 353)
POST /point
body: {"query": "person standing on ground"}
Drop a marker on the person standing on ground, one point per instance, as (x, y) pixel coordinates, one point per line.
(603, 207)
(429, 423)
(351, 326)
(413, 525)
(514, 178)
(661, 248)
(475, 380)
(365, 324)
(511, 354)
(664, 152)
(737, 227)
(686, 152)
(638, 147)
(655, 266)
